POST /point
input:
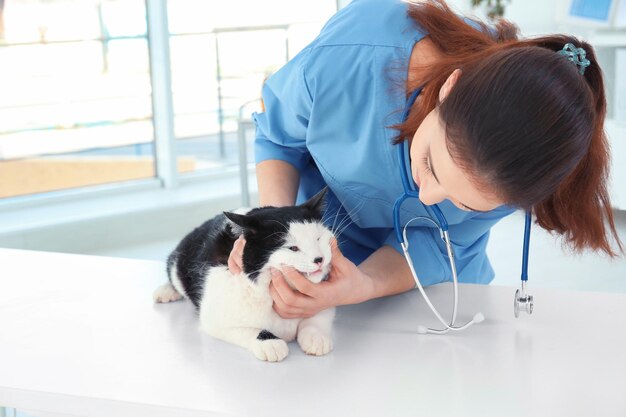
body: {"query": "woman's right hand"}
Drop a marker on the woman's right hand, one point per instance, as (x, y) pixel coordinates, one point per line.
(346, 284)
(235, 260)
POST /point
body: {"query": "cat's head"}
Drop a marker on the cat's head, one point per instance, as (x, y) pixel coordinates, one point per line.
(293, 236)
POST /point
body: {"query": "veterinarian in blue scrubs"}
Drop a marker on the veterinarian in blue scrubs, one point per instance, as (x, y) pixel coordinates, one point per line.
(331, 117)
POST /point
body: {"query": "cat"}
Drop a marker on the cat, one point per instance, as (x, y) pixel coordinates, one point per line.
(237, 308)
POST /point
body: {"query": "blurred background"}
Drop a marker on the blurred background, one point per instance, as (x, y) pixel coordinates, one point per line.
(125, 123)
(78, 83)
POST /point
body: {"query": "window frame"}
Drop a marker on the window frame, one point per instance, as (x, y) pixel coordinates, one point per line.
(166, 176)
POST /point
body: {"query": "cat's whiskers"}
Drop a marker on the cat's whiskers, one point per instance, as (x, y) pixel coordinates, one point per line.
(332, 228)
(348, 217)
(340, 232)
(326, 216)
(341, 242)
(348, 214)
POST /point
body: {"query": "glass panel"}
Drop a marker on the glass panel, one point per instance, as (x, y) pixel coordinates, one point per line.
(194, 85)
(76, 105)
(250, 40)
(198, 16)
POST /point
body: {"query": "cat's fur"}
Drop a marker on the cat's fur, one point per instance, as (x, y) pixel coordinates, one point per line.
(238, 308)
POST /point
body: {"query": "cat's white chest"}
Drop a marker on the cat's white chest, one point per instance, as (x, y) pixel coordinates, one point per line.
(233, 300)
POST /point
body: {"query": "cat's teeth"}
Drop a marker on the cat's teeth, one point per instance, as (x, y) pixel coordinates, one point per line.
(314, 273)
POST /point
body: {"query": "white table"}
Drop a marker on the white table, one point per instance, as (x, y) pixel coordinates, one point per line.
(79, 335)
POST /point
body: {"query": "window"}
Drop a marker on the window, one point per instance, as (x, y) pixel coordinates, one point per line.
(77, 105)
(220, 58)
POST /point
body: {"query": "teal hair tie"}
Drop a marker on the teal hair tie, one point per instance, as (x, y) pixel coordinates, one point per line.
(577, 56)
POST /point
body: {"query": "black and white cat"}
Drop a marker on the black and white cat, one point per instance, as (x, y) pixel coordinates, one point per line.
(238, 308)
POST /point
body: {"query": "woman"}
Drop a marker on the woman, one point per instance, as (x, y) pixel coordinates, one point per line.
(499, 124)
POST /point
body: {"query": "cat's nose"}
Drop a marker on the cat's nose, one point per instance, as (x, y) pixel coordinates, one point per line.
(318, 260)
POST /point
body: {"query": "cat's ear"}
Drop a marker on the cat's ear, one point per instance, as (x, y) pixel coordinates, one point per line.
(317, 203)
(244, 221)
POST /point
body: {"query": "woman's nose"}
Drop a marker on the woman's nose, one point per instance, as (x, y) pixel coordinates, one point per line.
(431, 194)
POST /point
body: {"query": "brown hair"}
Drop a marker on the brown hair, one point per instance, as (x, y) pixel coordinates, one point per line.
(521, 120)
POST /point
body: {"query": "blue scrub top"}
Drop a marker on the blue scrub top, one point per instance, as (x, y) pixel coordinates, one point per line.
(328, 112)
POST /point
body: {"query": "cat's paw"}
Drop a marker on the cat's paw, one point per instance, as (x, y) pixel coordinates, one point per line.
(166, 293)
(272, 350)
(314, 342)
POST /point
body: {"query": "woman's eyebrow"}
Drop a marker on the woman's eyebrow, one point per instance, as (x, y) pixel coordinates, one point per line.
(432, 169)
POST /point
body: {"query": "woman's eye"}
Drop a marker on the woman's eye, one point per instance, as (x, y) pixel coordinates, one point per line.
(294, 248)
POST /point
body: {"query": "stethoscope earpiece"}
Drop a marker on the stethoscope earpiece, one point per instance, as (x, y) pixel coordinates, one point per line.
(478, 318)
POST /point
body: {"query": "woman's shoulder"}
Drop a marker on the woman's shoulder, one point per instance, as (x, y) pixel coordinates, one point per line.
(364, 42)
(370, 23)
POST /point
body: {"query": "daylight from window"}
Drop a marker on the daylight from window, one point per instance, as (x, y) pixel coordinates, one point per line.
(76, 103)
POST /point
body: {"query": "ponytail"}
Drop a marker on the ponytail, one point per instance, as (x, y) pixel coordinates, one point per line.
(579, 206)
(534, 131)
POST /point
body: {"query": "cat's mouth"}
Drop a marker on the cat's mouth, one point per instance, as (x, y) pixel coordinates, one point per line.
(316, 272)
(320, 272)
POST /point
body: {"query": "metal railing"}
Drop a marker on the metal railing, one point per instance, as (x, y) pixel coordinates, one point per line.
(219, 74)
(218, 68)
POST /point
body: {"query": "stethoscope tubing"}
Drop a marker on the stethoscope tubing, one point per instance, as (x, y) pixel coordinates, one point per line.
(410, 190)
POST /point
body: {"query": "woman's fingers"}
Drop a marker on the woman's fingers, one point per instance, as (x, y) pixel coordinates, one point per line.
(235, 260)
(298, 280)
(289, 303)
(282, 308)
(287, 294)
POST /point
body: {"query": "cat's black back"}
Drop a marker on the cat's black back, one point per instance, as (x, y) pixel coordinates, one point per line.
(206, 246)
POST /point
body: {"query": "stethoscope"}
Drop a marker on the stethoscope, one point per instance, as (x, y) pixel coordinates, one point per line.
(522, 300)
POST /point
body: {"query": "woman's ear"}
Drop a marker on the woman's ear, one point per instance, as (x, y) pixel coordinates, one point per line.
(449, 84)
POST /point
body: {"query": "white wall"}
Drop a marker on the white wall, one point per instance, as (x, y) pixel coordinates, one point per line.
(532, 16)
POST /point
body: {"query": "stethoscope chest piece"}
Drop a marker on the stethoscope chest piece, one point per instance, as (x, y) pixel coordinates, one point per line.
(522, 302)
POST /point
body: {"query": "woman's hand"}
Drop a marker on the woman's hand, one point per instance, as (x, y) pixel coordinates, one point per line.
(235, 259)
(346, 284)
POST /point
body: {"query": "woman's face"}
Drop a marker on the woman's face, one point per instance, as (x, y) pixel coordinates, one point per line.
(438, 176)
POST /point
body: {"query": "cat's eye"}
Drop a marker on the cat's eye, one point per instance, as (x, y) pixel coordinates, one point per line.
(294, 248)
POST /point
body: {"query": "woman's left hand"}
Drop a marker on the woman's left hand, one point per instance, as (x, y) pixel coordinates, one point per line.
(346, 284)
